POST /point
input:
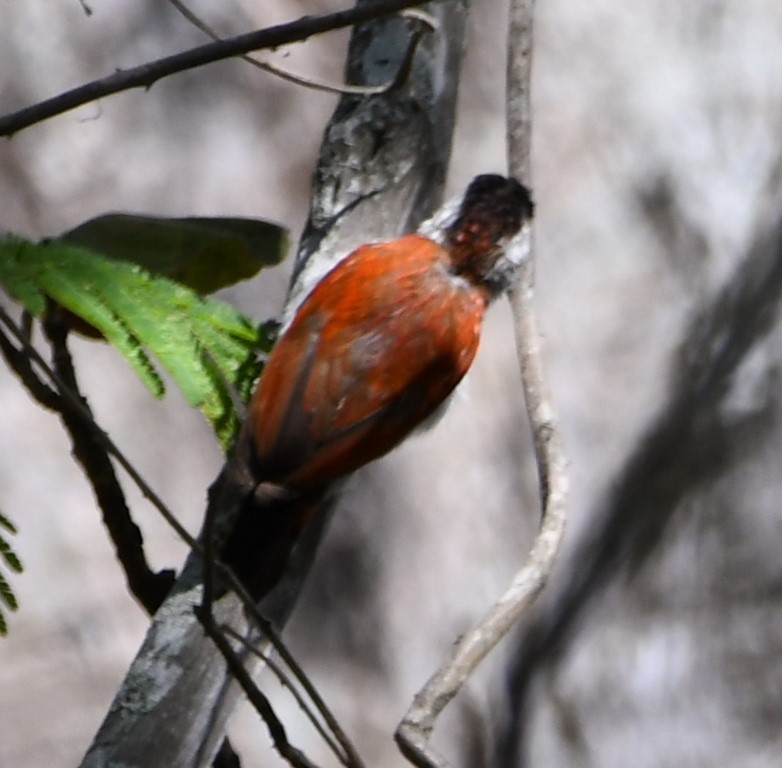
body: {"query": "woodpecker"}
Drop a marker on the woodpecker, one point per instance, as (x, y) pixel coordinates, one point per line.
(372, 352)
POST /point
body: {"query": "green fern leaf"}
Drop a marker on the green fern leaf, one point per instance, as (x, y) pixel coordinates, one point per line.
(206, 346)
(7, 594)
(9, 556)
(7, 524)
(71, 285)
(17, 275)
(12, 560)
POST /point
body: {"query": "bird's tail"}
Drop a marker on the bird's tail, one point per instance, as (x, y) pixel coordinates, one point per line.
(269, 522)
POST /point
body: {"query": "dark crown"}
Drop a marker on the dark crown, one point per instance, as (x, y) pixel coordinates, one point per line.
(493, 210)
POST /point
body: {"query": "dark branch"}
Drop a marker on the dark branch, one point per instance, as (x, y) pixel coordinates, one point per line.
(308, 82)
(148, 587)
(100, 436)
(19, 363)
(226, 757)
(145, 75)
(215, 572)
(260, 703)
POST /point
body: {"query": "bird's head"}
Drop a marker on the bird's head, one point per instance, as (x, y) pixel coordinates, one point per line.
(486, 231)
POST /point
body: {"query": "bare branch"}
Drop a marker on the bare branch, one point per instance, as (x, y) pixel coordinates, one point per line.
(518, 83)
(241, 672)
(234, 662)
(261, 704)
(351, 756)
(351, 760)
(687, 445)
(146, 75)
(19, 363)
(148, 586)
(103, 439)
(415, 729)
(428, 21)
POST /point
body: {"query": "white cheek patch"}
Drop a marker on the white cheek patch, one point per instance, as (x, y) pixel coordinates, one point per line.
(515, 251)
(437, 225)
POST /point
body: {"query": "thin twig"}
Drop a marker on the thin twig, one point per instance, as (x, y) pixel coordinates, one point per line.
(261, 704)
(518, 81)
(296, 669)
(145, 75)
(312, 83)
(286, 682)
(213, 567)
(148, 586)
(19, 363)
(301, 676)
(100, 435)
(547, 438)
(205, 614)
(416, 727)
(682, 453)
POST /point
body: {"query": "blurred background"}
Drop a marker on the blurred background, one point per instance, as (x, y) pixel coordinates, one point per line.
(658, 181)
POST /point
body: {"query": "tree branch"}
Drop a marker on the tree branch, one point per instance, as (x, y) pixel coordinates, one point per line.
(259, 701)
(146, 75)
(90, 452)
(414, 731)
(99, 435)
(266, 634)
(518, 80)
(687, 445)
(320, 85)
(342, 746)
(286, 682)
(19, 363)
(149, 587)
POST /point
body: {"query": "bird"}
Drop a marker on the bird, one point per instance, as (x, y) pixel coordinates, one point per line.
(371, 354)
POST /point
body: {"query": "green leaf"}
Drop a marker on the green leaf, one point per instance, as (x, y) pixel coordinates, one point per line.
(69, 284)
(7, 594)
(7, 524)
(9, 556)
(206, 346)
(12, 560)
(205, 254)
(18, 277)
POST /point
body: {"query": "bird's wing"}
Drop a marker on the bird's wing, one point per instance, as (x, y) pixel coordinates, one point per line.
(372, 352)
